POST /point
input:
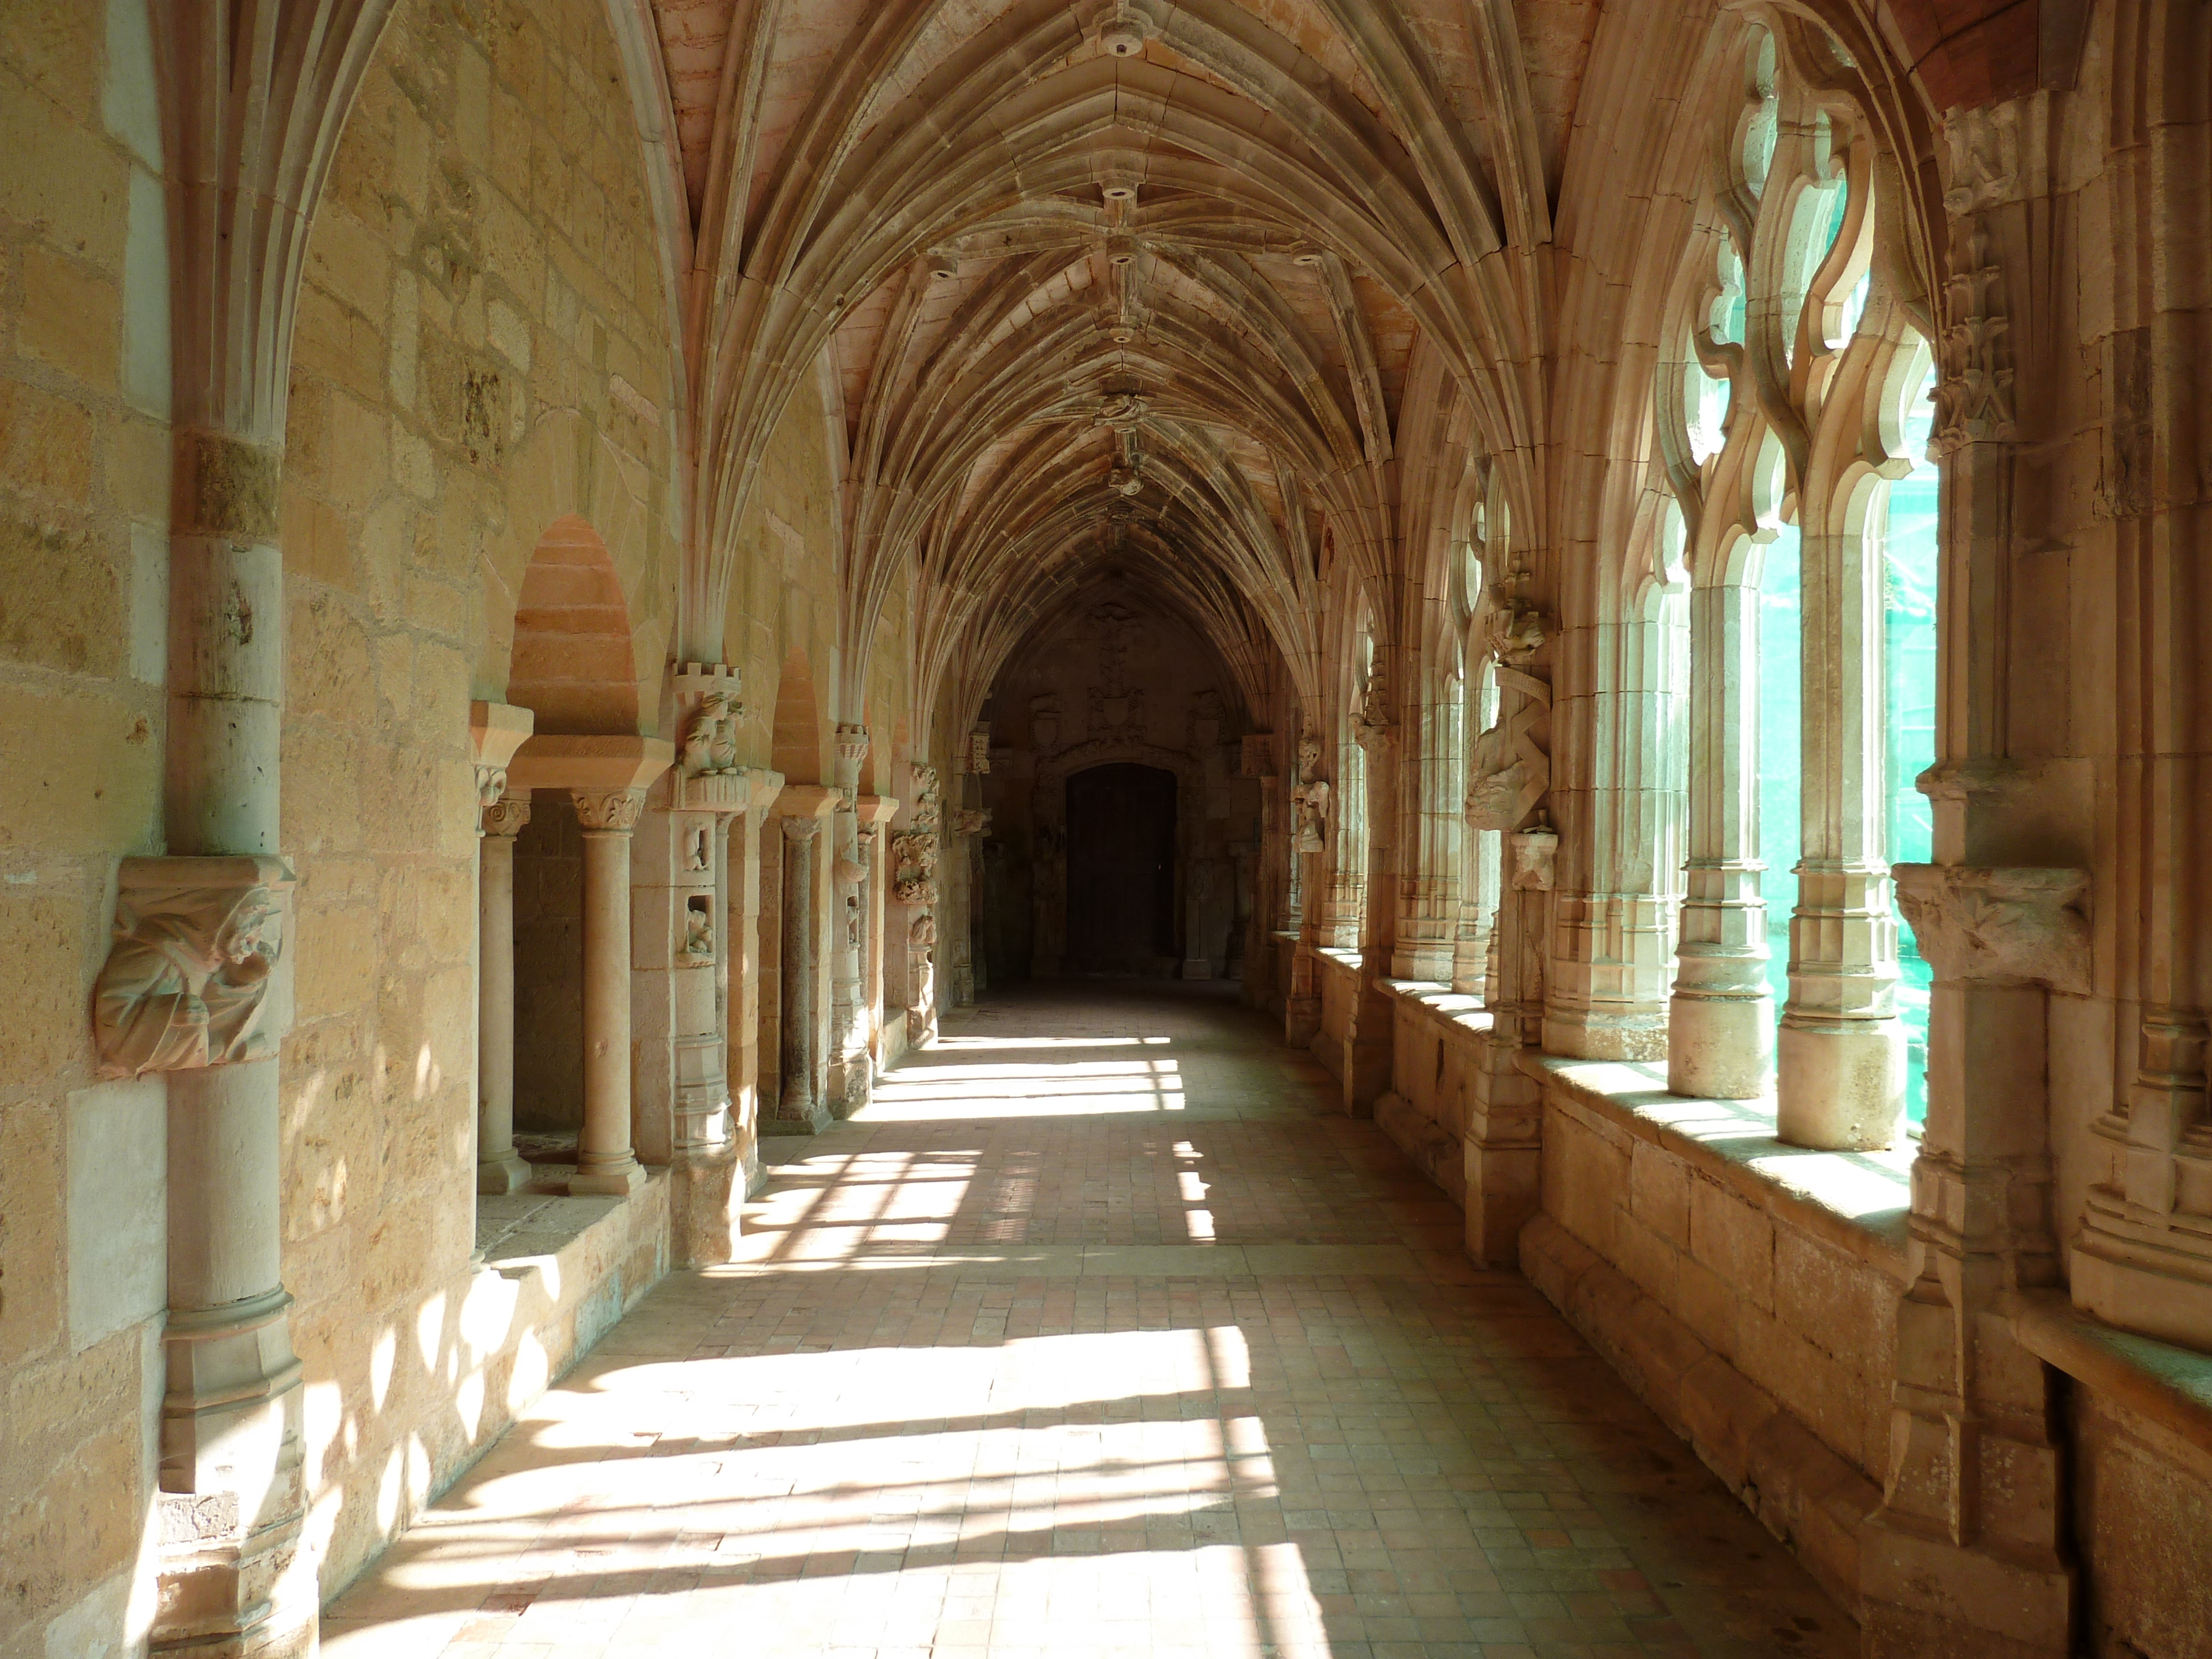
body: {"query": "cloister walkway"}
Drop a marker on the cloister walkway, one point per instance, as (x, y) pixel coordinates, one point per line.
(1100, 1332)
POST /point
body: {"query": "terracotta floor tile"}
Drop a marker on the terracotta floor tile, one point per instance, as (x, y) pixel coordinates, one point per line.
(1100, 1333)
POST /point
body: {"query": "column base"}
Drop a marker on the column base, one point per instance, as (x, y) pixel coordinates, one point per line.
(609, 1180)
(1924, 1595)
(497, 1176)
(1839, 1086)
(1720, 1047)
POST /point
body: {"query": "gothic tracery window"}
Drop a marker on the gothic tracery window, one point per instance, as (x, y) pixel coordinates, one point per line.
(1792, 430)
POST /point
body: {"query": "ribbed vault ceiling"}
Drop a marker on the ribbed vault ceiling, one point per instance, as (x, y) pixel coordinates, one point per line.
(1141, 284)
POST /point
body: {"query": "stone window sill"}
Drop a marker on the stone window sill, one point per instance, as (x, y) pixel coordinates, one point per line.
(1855, 1202)
(1441, 1002)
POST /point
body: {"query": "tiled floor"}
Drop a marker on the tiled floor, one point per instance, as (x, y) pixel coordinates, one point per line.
(1098, 1334)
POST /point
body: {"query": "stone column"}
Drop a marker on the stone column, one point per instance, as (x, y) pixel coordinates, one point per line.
(604, 1160)
(1375, 1016)
(1720, 1039)
(1614, 919)
(496, 730)
(873, 812)
(1311, 796)
(500, 1168)
(1968, 1552)
(1840, 1057)
(802, 1106)
(850, 1074)
(740, 967)
(1429, 889)
(252, 116)
(800, 1103)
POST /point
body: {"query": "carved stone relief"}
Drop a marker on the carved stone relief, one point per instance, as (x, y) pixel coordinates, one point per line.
(1309, 798)
(710, 740)
(196, 940)
(913, 859)
(1999, 925)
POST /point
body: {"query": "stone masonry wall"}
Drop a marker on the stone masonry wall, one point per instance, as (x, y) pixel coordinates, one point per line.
(480, 351)
(84, 388)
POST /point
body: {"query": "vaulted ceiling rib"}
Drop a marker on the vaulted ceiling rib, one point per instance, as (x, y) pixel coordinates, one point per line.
(1124, 281)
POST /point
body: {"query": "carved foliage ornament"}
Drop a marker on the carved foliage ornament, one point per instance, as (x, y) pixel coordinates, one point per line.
(506, 815)
(927, 799)
(1988, 926)
(607, 811)
(913, 857)
(196, 940)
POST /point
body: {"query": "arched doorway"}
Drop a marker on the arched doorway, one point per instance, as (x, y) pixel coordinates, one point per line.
(1121, 870)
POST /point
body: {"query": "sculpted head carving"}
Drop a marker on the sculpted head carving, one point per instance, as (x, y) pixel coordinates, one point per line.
(184, 981)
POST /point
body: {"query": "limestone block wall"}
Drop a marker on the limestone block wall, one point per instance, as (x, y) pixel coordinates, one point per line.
(480, 352)
(84, 387)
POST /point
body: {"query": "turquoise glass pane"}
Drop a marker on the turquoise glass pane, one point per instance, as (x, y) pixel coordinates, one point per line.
(1781, 736)
(1909, 560)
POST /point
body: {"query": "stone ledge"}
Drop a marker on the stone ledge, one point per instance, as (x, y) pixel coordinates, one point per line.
(1802, 1493)
(1455, 1009)
(2170, 1386)
(1856, 1202)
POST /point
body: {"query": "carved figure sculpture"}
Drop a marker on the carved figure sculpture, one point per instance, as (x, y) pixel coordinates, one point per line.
(710, 741)
(698, 935)
(915, 856)
(184, 982)
(922, 936)
(927, 799)
(1309, 798)
(1512, 770)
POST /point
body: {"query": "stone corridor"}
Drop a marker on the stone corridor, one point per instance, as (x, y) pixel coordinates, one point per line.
(1098, 1333)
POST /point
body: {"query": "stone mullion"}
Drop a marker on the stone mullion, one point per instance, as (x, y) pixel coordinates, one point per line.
(1840, 1078)
(1429, 891)
(1721, 1034)
(1613, 944)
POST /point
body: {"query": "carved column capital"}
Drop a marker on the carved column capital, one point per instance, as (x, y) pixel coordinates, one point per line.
(503, 814)
(851, 742)
(607, 811)
(1997, 927)
(799, 830)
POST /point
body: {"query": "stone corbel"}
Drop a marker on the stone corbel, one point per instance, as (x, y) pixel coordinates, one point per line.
(496, 730)
(186, 981)
(1536, 860)
(807, 800)
(1999, 926)
(590, 765)
(971, 821)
